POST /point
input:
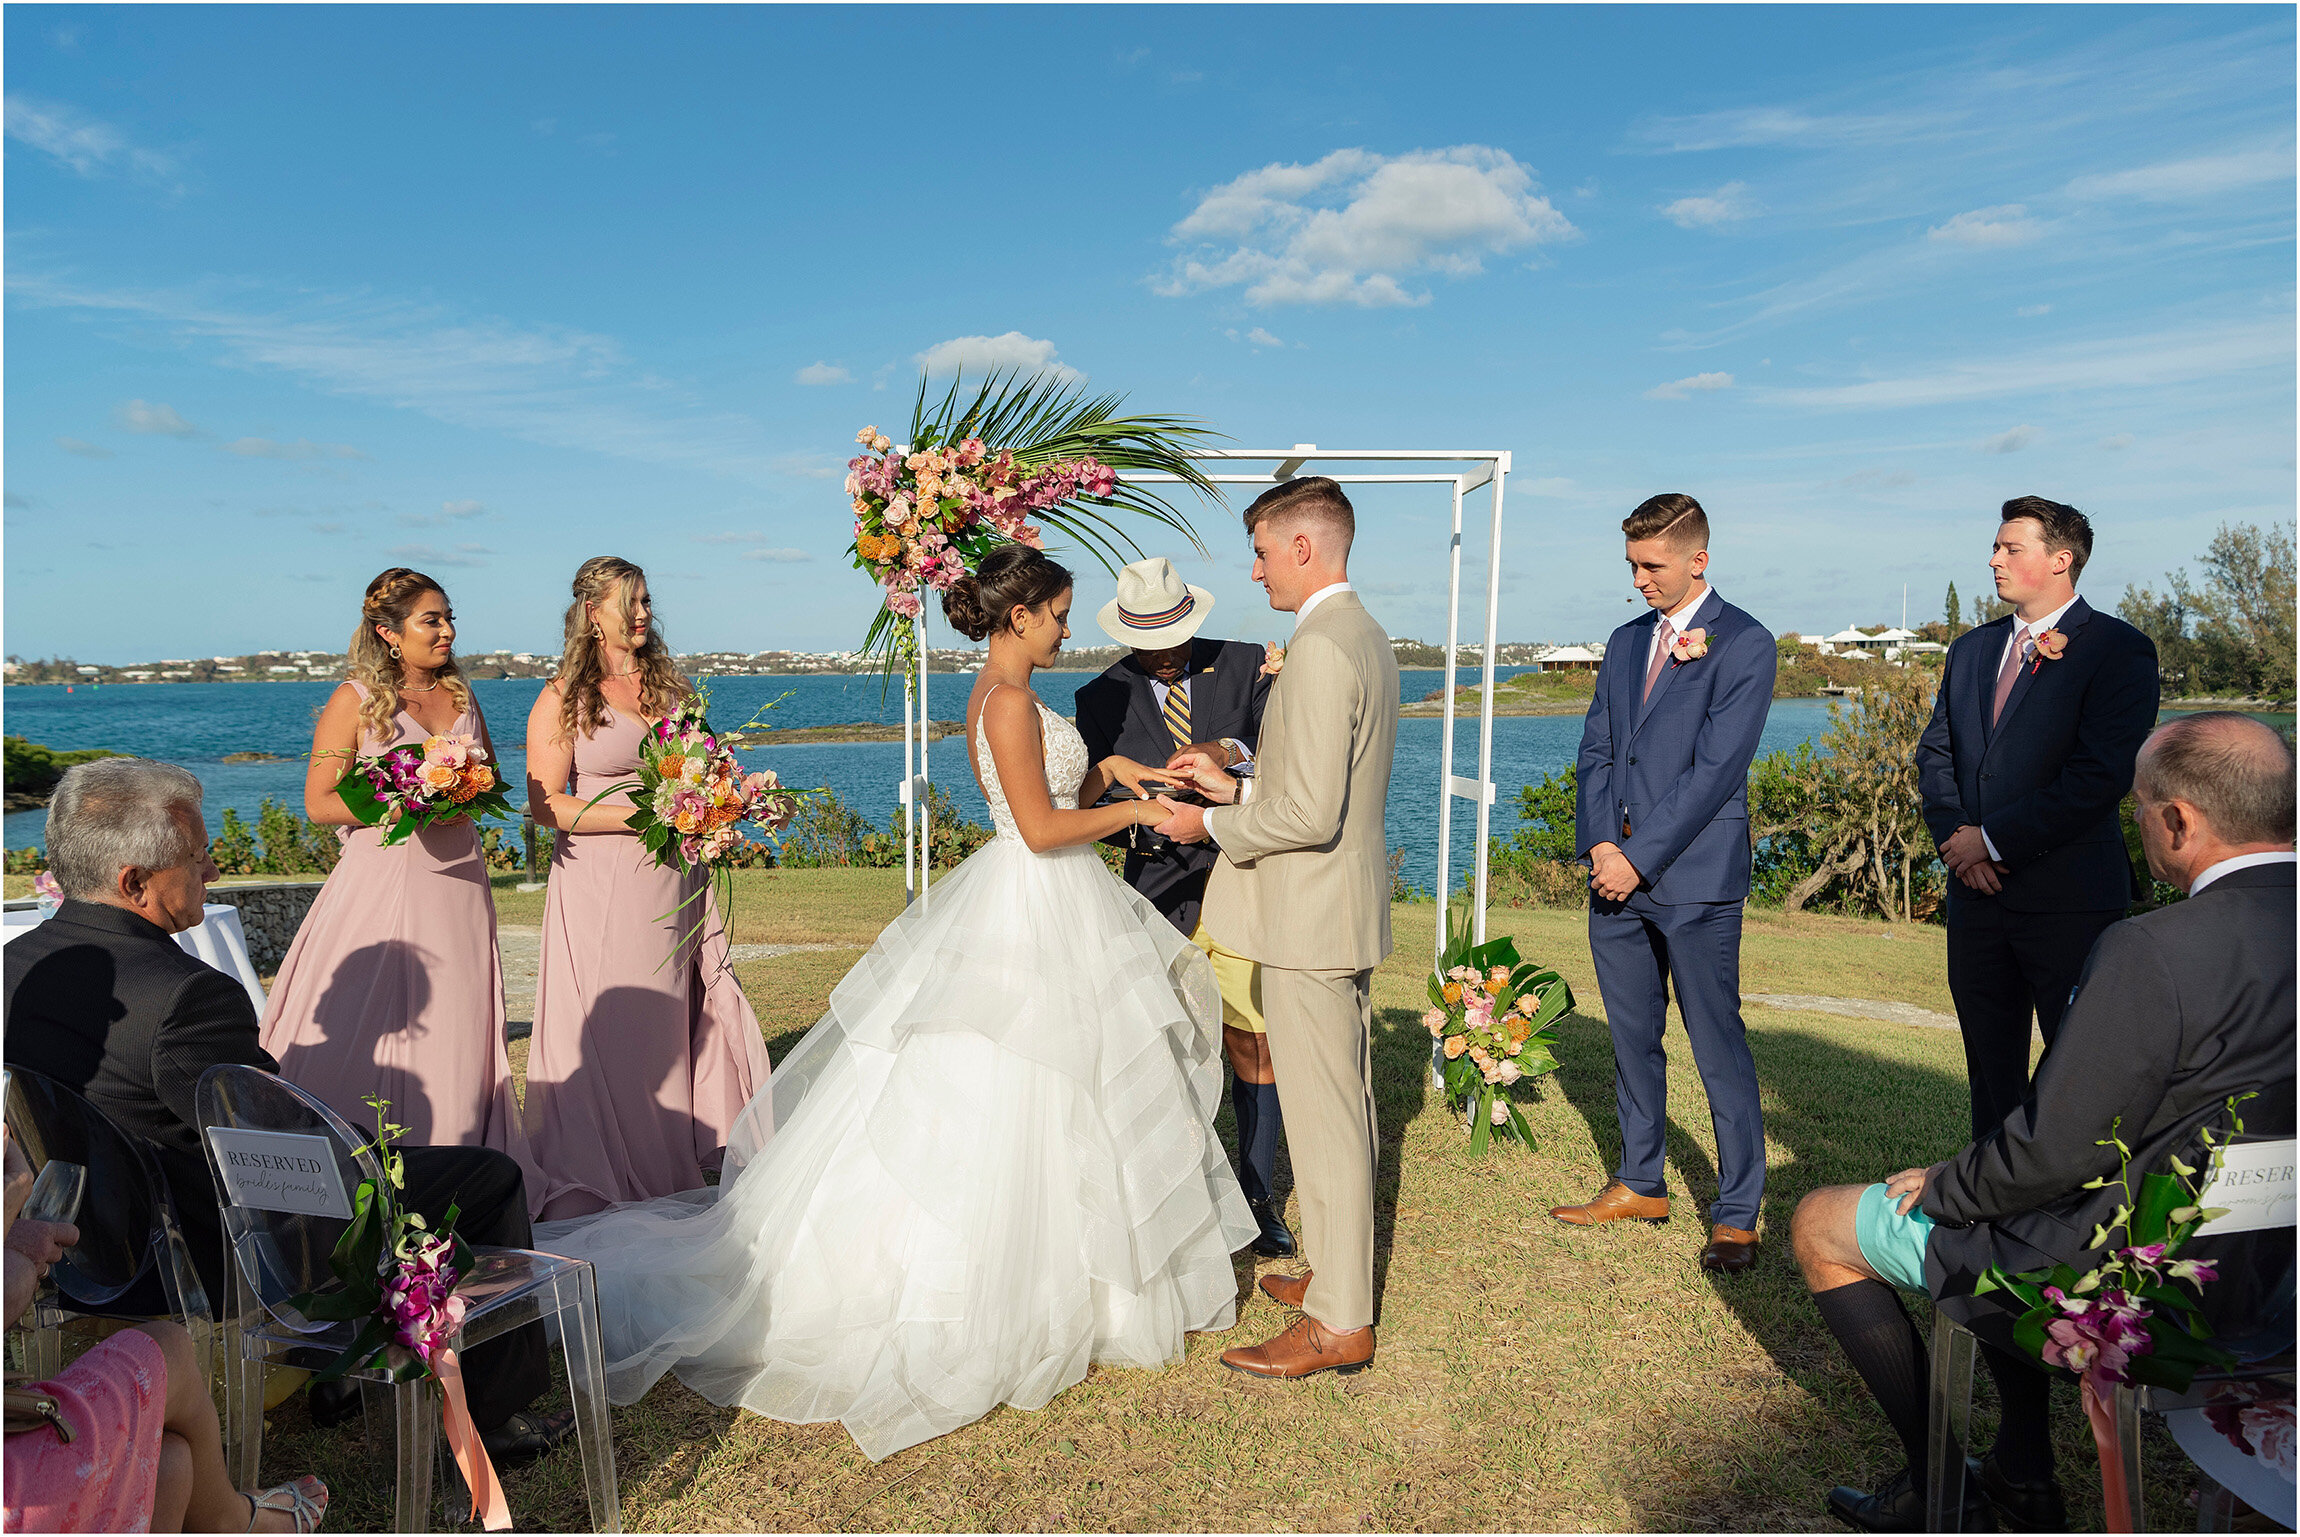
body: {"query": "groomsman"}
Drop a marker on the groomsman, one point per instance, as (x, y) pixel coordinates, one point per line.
(1663, 819)
(2034, 732)
(1176, 693)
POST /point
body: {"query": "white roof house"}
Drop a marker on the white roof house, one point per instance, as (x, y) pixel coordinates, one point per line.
(1847, 636)
(1571, 658)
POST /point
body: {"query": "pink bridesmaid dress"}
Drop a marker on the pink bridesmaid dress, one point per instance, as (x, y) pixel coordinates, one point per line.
(394, 987)
(642, 1058)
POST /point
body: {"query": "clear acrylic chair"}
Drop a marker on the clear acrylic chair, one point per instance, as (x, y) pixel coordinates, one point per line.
(129, 1235)
(273, 1256)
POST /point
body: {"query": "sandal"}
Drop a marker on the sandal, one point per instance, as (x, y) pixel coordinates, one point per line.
(305, 1499)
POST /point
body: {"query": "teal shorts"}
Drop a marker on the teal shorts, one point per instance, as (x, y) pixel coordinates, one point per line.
(1893, 1245)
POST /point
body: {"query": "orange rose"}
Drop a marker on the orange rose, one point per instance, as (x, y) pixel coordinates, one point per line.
(671, 766)
(1455, 1045)
(1452, 992)
(481, 775)
(464, 791)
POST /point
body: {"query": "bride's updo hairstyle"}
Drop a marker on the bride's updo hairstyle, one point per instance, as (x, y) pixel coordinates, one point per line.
(373, 661)
(1013, 574)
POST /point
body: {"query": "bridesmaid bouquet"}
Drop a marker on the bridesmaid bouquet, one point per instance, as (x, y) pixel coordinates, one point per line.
(692, 798)
(410, 788)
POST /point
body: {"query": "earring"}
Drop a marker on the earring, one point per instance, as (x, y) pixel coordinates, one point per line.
(395, 653)
(595, 635)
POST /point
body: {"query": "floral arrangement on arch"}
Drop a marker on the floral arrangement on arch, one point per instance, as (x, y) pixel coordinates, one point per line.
(1020, 453)
(1494, 1018)
(2127, 1320)
(409, 788)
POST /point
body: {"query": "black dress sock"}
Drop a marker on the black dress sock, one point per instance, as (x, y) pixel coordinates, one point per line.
(2023, 1449)
(1885, 1348)
(1261, 1153)
(1246, 1105)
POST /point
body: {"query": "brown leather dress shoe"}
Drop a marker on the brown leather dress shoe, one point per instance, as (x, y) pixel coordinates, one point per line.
(1287, 1290)
(1305, 1349)
(1731, 1249)
(1615, 1203)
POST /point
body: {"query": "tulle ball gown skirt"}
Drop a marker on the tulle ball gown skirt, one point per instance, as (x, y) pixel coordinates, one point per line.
(992, 1163)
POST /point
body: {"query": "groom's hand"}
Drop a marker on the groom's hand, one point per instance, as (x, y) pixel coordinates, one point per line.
(1611, 875)
(1206, 774)
(1184, 823)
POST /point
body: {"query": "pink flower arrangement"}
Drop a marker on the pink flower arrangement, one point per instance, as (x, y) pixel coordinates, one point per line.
(410, 787)
(1273, 659)
(1494, 1019)
(692, 798)
(419, 1294)
(1691, 646)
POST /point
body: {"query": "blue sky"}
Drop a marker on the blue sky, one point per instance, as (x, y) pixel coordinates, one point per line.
(295, 294)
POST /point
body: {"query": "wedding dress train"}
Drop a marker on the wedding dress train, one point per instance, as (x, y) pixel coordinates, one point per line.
(991, 1163)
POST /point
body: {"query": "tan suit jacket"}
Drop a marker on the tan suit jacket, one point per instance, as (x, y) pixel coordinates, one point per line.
(1304, 878)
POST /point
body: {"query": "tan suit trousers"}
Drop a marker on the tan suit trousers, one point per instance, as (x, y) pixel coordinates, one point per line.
(1321, 1045)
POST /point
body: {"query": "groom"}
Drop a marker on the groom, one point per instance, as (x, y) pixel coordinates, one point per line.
(1663, 819)
(1303, 886)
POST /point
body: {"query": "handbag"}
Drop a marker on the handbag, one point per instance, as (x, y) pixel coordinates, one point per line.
(29, 1408)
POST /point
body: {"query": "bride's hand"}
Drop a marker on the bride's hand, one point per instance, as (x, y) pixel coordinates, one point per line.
(1127, 772)
(1148, 813)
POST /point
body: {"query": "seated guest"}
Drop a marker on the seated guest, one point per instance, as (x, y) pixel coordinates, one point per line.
(102, 1000)
(145, 1453)
(2176, 1012)
(1174, 694)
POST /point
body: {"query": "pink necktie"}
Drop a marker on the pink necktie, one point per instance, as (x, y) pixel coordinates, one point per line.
(1662, 637)
(2015, 654)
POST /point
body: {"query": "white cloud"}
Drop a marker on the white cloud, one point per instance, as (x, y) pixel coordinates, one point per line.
(2122, 362)
(2011, 441)
(1262, 338)
(779, 556)
(432, 555)
(157, 420)
(1348, 228)
(2006, 224)
(1723, 206)
(87, 146)
(1680, 389)
(84, 449)
(2179, 180)
(728, 538)
(301, 448)
(466, 509)
(2031, 311)
(2115, 441)
(539, 383)
(823, 373)
(990, 354)
(1745, 127)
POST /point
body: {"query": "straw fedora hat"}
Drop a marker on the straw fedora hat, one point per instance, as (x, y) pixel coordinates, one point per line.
(1154, 608)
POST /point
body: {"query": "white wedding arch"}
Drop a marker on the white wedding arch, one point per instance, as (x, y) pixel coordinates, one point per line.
(1463, 472)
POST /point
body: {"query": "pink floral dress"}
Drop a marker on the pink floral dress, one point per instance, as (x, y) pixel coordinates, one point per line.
(105, 1478)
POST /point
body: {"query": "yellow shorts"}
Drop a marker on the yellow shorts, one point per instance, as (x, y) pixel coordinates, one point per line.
(1241, 983)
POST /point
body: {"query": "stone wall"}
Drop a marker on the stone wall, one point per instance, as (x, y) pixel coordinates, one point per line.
(270, 914)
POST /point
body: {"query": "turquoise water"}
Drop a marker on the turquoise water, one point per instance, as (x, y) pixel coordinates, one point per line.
(197, 724)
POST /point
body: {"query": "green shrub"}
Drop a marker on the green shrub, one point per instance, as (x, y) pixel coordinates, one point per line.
(829, 833)
(32, 770)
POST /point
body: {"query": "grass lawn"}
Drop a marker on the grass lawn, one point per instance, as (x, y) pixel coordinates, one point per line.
(1530, 1376)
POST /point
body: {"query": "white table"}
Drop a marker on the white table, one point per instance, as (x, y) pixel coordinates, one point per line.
(219, 940)
(2248, 1478)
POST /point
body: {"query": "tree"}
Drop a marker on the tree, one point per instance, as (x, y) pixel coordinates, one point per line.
(2233, 634)
(1854, 809)
(1955, 615)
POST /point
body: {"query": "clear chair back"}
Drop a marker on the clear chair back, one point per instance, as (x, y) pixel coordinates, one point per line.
(281, 1254)
(119, 1222)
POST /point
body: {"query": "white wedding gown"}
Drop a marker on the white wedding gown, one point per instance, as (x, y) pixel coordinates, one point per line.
(991, 1163)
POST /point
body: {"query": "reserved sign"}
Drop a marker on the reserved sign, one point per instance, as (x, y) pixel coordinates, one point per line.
(2255, 1183)
(286, 1171)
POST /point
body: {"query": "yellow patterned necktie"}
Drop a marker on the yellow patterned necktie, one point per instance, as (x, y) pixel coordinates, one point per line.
(1178, 711)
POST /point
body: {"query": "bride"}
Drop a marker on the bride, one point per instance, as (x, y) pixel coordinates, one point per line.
(993, 1161)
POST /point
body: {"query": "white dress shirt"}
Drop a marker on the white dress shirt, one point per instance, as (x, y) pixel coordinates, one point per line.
(1677, 621)
(2212, 873)
(1318, 597)
(2021, 628)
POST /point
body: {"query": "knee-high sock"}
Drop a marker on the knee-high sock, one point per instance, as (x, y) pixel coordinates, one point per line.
(1869, 1322)
(2023, 1449)
(1256, 1107)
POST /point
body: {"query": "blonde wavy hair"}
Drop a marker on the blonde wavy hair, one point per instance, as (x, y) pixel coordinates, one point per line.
(391, 597)
(582, 664)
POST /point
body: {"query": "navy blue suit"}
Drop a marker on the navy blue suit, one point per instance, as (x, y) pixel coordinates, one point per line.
(1672, 768)
(2043, 782)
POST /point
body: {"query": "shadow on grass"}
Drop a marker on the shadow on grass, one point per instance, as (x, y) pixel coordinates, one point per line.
(1401, 1049)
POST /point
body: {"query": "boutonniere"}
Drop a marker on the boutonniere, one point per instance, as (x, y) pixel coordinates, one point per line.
(2048, 648)
(1691, 646)
(1273, 660)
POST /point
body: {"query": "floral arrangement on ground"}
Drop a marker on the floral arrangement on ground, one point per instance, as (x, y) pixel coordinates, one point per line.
(1494, 1018)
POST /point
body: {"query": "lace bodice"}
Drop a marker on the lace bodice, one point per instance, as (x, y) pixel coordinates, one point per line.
(1065, 769)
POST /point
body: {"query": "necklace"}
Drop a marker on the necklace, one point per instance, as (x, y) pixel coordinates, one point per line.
(427, 688)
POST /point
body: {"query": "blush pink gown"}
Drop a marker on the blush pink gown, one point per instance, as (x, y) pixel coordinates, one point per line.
(394, 987)
(639, 1068)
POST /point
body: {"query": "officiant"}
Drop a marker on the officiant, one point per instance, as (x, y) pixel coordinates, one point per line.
(1175, 693)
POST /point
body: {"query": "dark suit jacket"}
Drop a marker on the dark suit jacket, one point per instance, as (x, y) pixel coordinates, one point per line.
(1118, 713)
(1676, 765)
(108, 1005)
(2043, 783)
(2177, 1010)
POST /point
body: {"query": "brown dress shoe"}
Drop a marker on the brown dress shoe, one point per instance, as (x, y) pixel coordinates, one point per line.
(1305, 1349)
(1731, 1249)
(1615, 1203)
(1287, 1290)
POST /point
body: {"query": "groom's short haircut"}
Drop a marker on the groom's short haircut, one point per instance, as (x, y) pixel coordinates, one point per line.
(1311, 498)
(2064, 528)
(1673, 516)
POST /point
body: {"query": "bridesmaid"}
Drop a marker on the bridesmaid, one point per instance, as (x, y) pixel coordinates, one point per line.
(394, 986)
(645, 1048)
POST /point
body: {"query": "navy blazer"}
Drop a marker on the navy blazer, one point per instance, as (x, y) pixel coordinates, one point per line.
(1676, 766)
(2044, 782)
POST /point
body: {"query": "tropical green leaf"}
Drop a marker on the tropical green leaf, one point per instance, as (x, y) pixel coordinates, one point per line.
(1517, 1120)
(1481, 1133)
(2159, 1195)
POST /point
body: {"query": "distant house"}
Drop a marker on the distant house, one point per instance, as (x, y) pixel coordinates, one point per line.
(175, 674)
(88, 672)
(281, 669)
(229, 667)
(136, 676)
(1570, 659)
